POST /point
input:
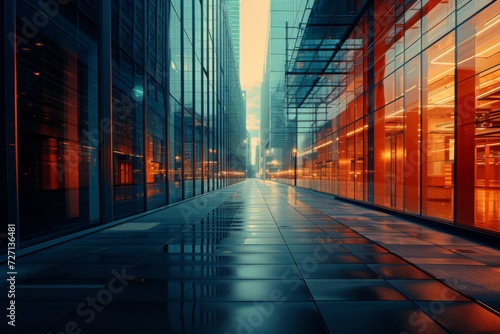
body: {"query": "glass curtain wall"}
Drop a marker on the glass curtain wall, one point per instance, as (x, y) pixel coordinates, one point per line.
(57, 119)
(414, 124)
(175, 104)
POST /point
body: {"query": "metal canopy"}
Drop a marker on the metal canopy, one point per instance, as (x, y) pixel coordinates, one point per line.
(317, 64)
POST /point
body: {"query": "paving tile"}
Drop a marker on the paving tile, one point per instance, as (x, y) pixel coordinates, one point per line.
(336, 271)
(210, 272)
(201, 317)
(431, 290)
(380, 259)
(491, 260)
(463, 317)
(68, 292)
(377, 318)
(339, 258)
(157, 290)
(352, 289)
(308, 241)
(33, 316)
(223, 249)
(71, 272)
(318, 248)
(370, 248)
(436, 260)
(397, 271)
(481, 282)
(233, 258)
(344, 241)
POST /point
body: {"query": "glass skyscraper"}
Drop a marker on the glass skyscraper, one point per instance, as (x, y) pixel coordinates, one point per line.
(233, 17)
(115, 108)
(391, 103)
(275, 126)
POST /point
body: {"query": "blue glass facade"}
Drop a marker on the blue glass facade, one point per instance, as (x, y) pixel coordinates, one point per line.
(115, 108)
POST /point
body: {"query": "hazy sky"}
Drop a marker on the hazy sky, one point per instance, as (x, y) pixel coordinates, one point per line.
(253, 38)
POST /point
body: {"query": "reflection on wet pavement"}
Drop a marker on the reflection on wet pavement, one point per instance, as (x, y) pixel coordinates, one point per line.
(254, 258)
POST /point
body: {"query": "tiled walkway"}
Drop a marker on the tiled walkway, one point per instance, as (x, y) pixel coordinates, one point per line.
(257, 258)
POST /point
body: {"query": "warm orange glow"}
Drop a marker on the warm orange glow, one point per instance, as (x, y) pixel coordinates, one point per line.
(430, 146)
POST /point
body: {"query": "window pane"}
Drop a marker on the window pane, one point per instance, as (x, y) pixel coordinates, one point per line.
(438, 128)
(58, 140)
(412, 136)
(175, 149)
(478, 122)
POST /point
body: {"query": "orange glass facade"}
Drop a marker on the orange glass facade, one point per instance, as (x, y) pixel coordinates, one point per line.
(414, 124)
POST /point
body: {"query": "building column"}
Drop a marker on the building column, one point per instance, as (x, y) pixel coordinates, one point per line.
(465, 123)
(106, 116)
(369, 103)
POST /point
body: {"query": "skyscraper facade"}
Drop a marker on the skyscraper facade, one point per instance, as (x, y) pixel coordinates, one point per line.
(233, 18)
(248, 141)
(396, 105)
(257, 160)
(284, 15)
(113, 109)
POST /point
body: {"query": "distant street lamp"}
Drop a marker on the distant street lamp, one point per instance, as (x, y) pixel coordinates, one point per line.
(295, 165)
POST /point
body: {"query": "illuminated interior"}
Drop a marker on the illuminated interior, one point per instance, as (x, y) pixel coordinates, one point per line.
(413, 120)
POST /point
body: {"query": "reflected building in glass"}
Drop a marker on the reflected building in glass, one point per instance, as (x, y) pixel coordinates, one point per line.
(114, 108)
(393, 104)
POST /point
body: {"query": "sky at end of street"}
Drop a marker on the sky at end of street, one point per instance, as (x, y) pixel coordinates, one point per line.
(254, 15)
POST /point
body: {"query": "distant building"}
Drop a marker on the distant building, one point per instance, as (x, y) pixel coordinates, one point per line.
(249, 154)
(257, 160)
(277, 140)
(233, 16)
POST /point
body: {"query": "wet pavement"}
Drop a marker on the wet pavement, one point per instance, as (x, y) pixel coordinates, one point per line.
(261, 257)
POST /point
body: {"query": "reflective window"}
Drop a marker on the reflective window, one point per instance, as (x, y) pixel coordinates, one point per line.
(438, 128)
(188, 155)
(57, 76)
(412, 139)
(478, 121)
(175, 149)
(156, 162)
